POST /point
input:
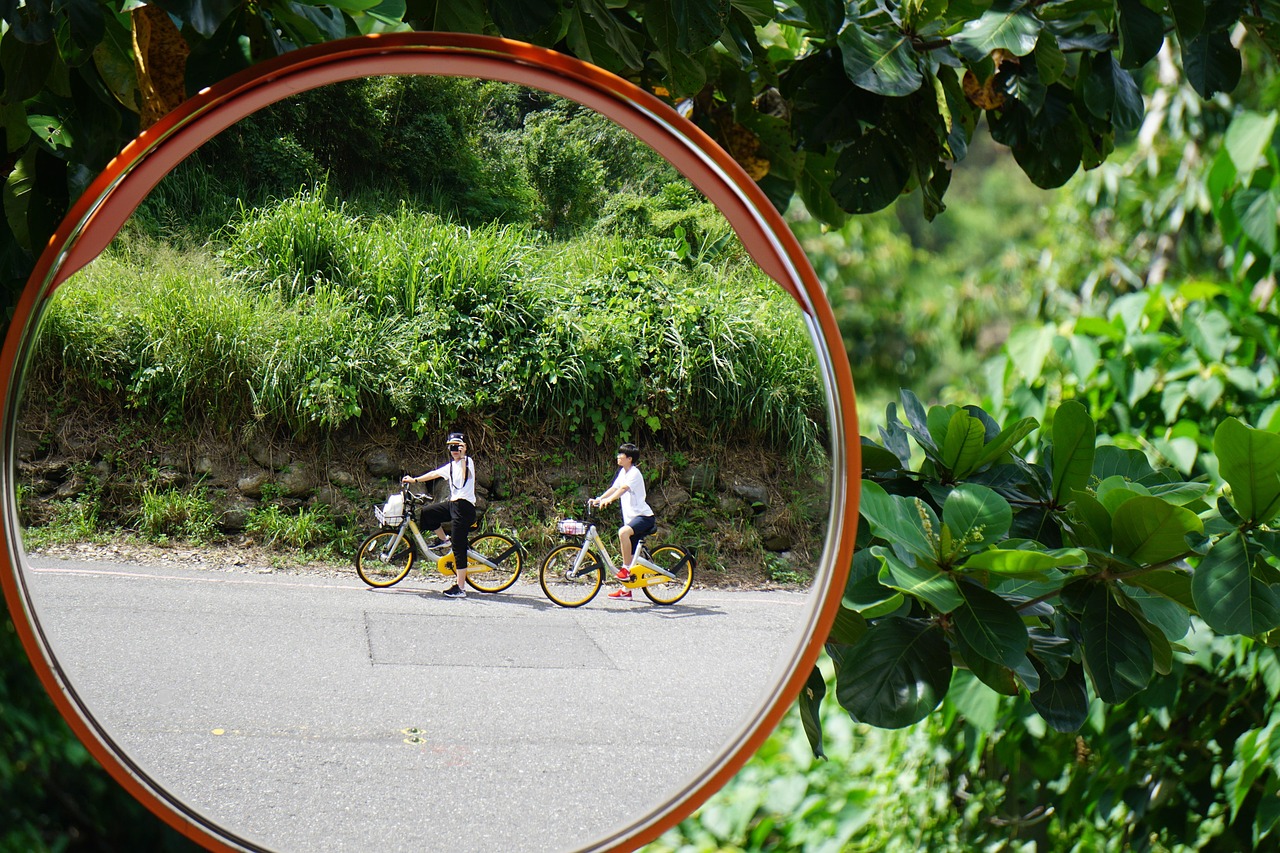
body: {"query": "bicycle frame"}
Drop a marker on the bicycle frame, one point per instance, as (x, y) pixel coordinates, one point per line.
(654, 573)
(411, 527)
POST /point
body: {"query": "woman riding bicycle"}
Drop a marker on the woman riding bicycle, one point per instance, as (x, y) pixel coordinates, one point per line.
(459, 509)
(637, 516)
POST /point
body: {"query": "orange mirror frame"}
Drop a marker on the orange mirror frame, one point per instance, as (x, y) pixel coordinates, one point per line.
(100, 213)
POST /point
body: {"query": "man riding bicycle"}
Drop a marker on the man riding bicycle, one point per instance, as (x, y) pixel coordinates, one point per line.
(637, 516)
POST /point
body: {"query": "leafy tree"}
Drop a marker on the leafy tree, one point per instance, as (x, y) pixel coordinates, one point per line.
(847, 106)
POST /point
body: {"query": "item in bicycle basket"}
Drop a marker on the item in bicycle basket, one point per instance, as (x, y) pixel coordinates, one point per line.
(569, 527)
(390, 513)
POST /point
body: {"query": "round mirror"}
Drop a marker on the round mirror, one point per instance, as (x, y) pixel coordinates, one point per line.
(256, 704)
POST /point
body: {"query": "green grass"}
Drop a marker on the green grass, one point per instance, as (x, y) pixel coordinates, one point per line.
(312, 317)
(173, 513)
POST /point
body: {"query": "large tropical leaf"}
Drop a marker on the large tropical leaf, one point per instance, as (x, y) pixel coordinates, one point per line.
(1063, 702)
(872, 171)
(925, 582)
(1025, 563)
(810, 702)
(1211, 63)
(900, 520)
(1247, 139)
(1151, 531)
(1230, 599)
(1249, 460)
(883, 63)
(962, 445)
(990, 625)
(1141, 33)
(1073, 450)
(896, 674)
(1117, 652)
(976, 517)
(1004, 27)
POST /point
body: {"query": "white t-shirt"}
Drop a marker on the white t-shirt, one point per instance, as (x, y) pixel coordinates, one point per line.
(635, 497)
(461, 478)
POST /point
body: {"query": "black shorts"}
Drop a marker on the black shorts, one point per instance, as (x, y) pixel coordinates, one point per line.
(641, 526)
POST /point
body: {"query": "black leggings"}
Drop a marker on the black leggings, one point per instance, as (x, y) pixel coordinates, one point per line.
(461, 515)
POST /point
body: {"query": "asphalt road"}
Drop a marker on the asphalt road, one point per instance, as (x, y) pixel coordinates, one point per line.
(313, 713)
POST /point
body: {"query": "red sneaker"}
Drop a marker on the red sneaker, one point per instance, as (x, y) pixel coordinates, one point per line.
(623, 575)
(620, 593)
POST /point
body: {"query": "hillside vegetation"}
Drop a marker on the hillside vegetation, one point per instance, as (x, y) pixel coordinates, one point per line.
(275, 364)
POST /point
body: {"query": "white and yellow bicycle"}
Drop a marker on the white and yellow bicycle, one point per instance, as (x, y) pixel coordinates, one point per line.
(493, 560)
(572, 574)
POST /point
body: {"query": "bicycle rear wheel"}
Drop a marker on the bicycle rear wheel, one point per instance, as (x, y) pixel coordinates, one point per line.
(380, 567)
(562, 585)
(500, 550)
(679, 562)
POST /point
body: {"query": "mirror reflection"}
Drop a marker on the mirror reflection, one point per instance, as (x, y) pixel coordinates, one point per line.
(305, 312)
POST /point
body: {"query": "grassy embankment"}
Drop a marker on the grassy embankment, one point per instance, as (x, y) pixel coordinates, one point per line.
(306, 321)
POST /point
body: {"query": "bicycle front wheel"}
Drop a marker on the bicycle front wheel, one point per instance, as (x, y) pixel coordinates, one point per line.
(500, 550)
(566, 587)
(679, 562)
(378, 564)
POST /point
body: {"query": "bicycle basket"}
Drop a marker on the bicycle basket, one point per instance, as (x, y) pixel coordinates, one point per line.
(569, 527)
(391, 513)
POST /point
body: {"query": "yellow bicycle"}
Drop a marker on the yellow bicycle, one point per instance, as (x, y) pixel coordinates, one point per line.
(572, 574)
(385, 558)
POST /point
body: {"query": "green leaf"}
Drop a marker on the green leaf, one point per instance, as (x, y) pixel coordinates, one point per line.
(1028, 348)
(925, 582)
(900, 520)
(1025, 563)
(1247, 139)
(817, 171)
(1229, 598)
(1110, 460)
(1249, 460)
(1073, 450)
(975, 700)
(999, 678)
(824, 17)
(810, 702)
(1002, 29)
(896, 674)
(848, 628)
(884, 63)
(1168, 583)
(1051, 62)
(1255, 210)
(863, 590)
(1188, 17)
(530, 19)
(1090, 521)
(1171, 618)
(18, 188)
(1005, 441)
(1063, 702)
(872, 171)
(1150, 531)
(962, 446)
(990, 625)
(1211, 63)
(1141, 33)
(976, 516)
(684, 26)
(1117, 652)
(25, 67)
(601, 39)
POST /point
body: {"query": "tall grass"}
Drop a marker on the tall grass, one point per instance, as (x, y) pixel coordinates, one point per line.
(312, 317)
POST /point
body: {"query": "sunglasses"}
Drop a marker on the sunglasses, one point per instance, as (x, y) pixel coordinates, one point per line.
(455, 448)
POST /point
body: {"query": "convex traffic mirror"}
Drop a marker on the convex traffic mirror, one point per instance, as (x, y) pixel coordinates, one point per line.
(288, 710)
